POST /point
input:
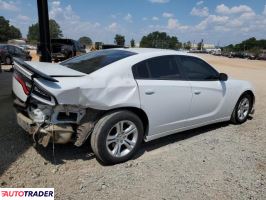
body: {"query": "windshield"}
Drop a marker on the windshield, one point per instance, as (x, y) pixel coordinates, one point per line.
(93, 61)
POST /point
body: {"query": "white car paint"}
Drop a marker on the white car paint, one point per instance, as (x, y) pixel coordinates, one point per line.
(171, 106)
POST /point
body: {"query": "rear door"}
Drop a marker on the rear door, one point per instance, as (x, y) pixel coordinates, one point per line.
(164, 94)
(207, 90)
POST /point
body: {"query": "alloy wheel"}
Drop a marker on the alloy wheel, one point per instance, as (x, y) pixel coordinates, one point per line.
(243, 108)
(122, 138)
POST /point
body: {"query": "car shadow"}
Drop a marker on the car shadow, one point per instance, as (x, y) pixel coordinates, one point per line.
(60, 153)
(13, 141)
(175, 138)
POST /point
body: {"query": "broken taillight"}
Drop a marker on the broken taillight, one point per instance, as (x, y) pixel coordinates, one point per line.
(25, 85)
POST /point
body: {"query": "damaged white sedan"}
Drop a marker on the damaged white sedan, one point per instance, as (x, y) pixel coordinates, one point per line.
(119, 97)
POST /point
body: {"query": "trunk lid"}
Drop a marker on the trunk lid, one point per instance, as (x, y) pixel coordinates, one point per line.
(23, 84)
(54, 69)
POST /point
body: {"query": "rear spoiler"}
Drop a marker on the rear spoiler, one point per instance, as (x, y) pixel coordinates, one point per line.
(35, 72)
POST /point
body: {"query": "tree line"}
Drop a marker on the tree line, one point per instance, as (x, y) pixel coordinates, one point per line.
(250, 45)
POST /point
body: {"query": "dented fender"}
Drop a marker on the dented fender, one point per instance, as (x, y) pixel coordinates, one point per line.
(94, 91)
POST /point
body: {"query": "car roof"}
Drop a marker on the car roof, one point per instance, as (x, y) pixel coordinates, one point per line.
(154, 50)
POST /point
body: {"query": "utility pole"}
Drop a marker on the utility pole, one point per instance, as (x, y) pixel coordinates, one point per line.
(45, 43)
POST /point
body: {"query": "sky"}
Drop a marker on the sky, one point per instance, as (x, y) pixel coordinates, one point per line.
(219, 22)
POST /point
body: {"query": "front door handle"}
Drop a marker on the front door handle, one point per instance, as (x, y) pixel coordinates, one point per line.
(149, 92)
(197, 92)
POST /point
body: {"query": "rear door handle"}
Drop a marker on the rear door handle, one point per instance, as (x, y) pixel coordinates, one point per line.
(149, 92)
(197, 92)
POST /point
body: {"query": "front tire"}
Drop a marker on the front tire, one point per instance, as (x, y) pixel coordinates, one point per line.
(117, 136)
(242, 109)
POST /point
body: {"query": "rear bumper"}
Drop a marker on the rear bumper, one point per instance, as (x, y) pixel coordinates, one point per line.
(45, 133)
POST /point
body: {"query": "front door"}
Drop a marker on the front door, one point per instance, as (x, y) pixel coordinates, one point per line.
(207, 90)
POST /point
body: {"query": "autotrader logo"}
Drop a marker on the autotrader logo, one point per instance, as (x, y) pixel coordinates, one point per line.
(27, 193)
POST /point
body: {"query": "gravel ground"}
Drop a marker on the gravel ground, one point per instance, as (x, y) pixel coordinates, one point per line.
(221, 161)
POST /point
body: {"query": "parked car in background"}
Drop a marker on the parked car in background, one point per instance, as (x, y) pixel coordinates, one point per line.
(8, 52)
(249, 56)
(63, 49)
(117, 98)
(262, 56)
(239, 54)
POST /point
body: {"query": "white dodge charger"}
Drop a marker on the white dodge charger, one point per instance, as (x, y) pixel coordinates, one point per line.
(119, 97)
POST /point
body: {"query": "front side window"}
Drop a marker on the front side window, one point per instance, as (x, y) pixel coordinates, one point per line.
(94, 61)
(158, 68)
(198, 70)
(18, 51)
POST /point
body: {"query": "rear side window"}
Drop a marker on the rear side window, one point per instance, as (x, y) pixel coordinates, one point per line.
(93, 61)
(198, 70)
(11, 49)
(158, 68)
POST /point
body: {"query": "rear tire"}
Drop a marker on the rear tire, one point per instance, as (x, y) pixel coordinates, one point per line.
(242, 109)
(117, 136)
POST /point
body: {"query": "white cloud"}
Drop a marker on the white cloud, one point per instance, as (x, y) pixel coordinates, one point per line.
(8, 5)
(113, 16)
(212, 20)
(23, 17)
(223, 9)
(174, 24)
(128, 18)
(201, 12)
(155, 18)
(168, 15)
(200, 2)
(71, 23)
(264, 11)
(159, 1)
(144, 18)
(113, 27)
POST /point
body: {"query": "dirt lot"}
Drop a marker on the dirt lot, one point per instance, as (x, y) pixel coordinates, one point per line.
(221, 161)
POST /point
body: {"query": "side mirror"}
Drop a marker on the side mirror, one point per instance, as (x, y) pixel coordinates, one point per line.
(223, 77)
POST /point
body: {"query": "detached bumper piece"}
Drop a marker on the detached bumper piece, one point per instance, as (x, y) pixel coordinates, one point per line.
(60, 133)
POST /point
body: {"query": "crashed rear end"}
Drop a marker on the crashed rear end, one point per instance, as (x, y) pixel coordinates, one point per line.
(58, 104)
(37, 110)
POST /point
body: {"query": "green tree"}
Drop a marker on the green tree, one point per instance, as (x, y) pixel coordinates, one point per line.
(187, 45)
(7, 31)
(250, 45)
(85, 41)
(159, 40)
(132, 43)
(55, 31)
(119, 40)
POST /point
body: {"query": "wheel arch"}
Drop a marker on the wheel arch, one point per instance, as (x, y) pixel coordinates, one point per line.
(250, 93)
(139, 112)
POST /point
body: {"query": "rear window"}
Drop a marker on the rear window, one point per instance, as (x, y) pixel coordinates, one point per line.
(62, 41)
(93, 61)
